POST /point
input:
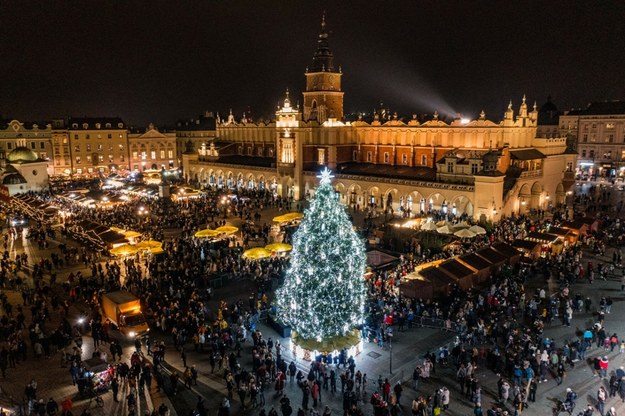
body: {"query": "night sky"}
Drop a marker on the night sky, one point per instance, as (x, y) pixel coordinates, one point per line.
(159, 61)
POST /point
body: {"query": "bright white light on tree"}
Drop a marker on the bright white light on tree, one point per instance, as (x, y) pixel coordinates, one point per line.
(325, 280)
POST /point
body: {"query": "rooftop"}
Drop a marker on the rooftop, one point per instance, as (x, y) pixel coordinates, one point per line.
(387, 171)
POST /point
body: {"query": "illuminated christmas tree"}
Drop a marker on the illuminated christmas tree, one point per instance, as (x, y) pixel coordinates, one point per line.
(324, 293)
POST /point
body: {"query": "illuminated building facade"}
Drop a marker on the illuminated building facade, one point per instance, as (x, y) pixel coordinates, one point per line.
(599, 132)
(152, 150)
(97, 145)
(32, 135)
(478, 167)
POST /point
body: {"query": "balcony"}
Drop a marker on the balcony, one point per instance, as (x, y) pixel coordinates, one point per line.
(531, 173)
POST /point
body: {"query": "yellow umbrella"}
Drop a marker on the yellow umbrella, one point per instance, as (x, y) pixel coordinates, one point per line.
(227, 229)
(256, 253)
(156, 250)
(279, 247)
(207, 233)
(149, 244)
(118, 230)
(131, 234)
(124, 250)
(291, 216)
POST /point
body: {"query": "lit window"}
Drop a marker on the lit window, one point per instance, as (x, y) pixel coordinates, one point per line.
(170, 154)
(321, 156)
(162, 153)
(78, 161)
(153, 154)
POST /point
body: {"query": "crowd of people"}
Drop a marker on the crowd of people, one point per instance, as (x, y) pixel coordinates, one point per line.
(503, 324)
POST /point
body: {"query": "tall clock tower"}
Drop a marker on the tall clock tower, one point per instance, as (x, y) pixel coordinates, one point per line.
(323, 98)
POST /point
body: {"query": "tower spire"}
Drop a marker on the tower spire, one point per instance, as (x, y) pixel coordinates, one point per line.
(323, 59)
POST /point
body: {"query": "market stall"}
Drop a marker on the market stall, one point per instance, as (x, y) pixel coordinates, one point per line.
(96, 377)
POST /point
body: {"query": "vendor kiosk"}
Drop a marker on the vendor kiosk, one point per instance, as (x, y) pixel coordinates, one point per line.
(96, 377)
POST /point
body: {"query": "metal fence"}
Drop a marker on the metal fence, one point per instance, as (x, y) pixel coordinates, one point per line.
(438, 323)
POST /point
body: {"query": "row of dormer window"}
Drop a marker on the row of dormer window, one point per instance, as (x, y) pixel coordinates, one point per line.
(97, 125)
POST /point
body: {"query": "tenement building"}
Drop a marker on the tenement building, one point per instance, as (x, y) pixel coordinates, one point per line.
(599, 131)
(152, 150)
(482, 168)
(97, 145)
(35, 136)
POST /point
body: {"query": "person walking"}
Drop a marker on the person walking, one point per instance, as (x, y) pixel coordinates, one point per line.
(315, 392)
(398, 389)
(504, 392)
(115, 388)
(601, 398)
(603, 366)
(445, 398)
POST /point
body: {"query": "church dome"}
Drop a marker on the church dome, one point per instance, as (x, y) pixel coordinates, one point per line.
(21, 155)
(13, 179)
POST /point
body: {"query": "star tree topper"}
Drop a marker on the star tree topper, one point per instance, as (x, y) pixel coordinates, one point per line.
(325, 176)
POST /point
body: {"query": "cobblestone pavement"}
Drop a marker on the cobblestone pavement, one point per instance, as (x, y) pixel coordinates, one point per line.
(54, 380)
(408, 348)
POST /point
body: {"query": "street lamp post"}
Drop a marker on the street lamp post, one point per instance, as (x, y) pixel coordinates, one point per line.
(390, 349)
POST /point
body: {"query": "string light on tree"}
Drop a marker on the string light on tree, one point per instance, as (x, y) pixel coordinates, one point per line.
(324, 293)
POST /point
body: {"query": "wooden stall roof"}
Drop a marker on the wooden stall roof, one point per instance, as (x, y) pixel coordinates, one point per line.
(380, 260)
(506, 249)
(112, 237)
(475, 261)
(559, 231)
(456, 269)
(492, 256)
(544, 237)
(574, 225)
(101, 229)
(525, 244)
(436, 276)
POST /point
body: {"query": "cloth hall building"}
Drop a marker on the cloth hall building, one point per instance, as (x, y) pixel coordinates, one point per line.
(482, 168)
